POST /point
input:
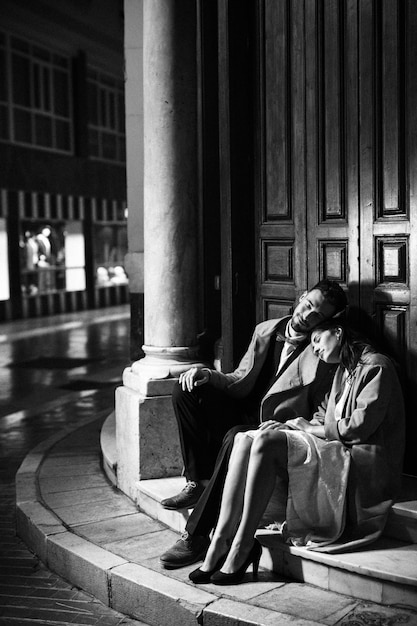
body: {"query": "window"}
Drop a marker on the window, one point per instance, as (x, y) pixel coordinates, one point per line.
(110, 248)
(106, 127)
(43, 257)
(36, 110)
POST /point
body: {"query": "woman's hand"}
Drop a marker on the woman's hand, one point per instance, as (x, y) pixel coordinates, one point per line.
(270, 425)
(194, 377)
(299, 423)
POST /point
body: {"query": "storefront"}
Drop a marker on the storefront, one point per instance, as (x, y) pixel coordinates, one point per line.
(60, 254)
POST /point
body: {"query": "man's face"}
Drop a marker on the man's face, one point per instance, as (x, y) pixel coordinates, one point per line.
(310, 311)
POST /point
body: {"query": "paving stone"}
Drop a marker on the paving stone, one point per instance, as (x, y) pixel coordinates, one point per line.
(299, 599)
(71, 483)
(71, 498)
(152, 597)
(249, 590)
(120, 528)
(365, 614)
(75, 469)
(58, 457)
(113, 506)
(143, 547)
(226, 612)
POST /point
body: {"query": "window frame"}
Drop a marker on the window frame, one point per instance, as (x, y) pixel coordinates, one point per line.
(107, 88)
(46, 69)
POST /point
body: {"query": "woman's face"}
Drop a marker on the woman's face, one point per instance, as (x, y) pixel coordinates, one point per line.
(327, 344)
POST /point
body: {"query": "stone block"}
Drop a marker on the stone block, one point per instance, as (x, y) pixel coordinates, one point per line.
(147, 439)
(34, 523)
(113, 507)
(227, 612)
(301, 600)
(61, 484)
(156, 599)
(118, 529)
(71, 498)
(305, 570)
(26, 487)
(71, 468)
(400, 595)
(173, 519)
(87, 566)
(355, 585)
(143, 548)
(32, 462)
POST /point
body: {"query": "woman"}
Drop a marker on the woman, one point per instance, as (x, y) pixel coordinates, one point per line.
(339, 472)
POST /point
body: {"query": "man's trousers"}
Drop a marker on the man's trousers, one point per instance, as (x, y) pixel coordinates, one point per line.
(204, 416)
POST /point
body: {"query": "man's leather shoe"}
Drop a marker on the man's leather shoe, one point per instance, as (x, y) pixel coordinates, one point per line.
(187, 550)
(186, 499)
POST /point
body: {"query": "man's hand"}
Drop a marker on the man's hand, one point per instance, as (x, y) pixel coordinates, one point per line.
(194, 377)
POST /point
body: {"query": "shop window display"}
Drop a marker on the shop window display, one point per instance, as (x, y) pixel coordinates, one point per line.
(110, 248)
(42, 258)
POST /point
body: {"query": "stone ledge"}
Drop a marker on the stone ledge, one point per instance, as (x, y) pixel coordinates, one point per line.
(386, 572)
(151, 596)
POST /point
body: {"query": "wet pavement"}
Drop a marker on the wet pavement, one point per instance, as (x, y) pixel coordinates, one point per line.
(54, 372)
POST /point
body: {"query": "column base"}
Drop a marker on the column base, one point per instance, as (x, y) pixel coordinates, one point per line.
(146, 438)
(158, 371)
(146, 429)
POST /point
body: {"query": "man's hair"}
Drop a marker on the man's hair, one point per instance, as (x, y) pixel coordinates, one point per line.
(333, 293)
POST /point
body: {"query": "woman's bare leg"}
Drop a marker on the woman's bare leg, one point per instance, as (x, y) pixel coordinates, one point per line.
(268, 458)
(232, 501)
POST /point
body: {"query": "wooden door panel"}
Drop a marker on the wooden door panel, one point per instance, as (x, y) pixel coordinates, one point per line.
(337, 175)
(281, 167)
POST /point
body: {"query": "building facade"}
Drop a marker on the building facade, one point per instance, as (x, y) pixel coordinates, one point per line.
(63, 210)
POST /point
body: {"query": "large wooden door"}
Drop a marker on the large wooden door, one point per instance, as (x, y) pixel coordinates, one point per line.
(337, 162)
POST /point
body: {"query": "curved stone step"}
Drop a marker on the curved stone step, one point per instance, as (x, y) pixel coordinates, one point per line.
(384, 572)
(94, 536)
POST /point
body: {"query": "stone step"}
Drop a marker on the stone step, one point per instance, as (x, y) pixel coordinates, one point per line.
(108, 448)
(402, 522)
(92, 535)
(401, 525)
(385, 571)
(344, 573)
(388, 567)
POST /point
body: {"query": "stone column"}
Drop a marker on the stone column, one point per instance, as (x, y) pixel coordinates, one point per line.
(147, 437)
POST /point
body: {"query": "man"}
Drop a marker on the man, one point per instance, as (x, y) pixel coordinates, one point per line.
(278, 378)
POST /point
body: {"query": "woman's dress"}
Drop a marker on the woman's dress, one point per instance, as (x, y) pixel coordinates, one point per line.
(341, 488)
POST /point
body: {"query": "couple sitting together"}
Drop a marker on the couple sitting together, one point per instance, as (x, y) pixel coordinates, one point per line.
(312, 418)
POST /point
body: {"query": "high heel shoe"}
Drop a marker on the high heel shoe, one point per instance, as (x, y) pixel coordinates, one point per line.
(198, 576)
(254, 556)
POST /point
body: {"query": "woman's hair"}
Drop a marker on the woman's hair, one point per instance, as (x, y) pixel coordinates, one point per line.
(354, 338)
